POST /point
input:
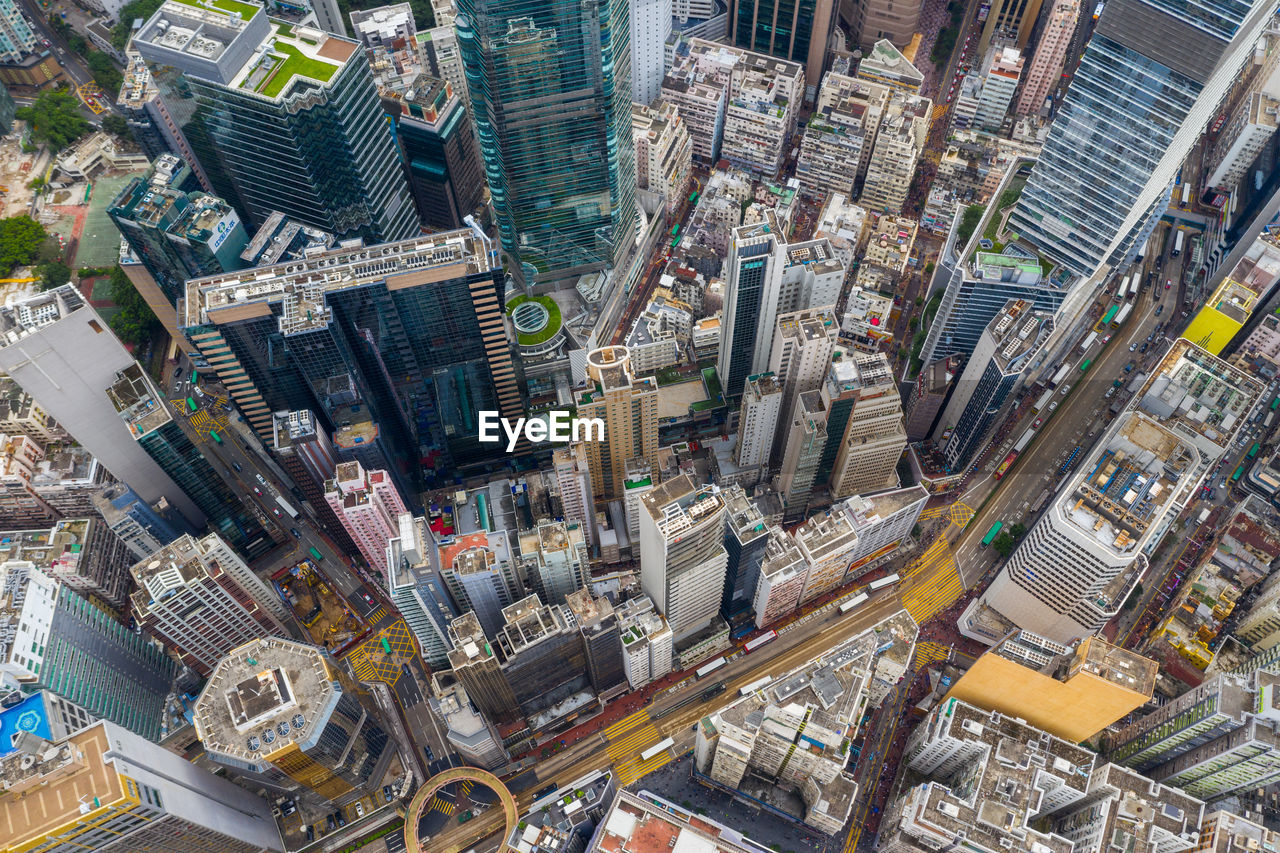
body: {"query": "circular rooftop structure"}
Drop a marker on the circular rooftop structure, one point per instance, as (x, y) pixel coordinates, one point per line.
(537, 323)
(422, 799)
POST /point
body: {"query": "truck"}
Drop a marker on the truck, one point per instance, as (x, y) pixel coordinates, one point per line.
(1060, 375)
(1123, 315)
(1186, 195)
(289, 511)
(1177, 243)
(1044, 400)
(1089, 340)
(1024, 441)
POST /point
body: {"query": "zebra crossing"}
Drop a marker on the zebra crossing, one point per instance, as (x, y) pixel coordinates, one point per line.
(626, 739)
(927, 652)
(933, 582)
(443, 806)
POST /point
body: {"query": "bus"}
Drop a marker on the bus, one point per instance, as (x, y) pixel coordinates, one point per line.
(661, 746)
(693, 197)
(1060, 375)
(1005, 465)
(860, 598)
(290, 511)
(191, 404)
(1110, 315)
(759, 641)
(883, 582)
(1235, 478)
(760, 684)
(315, 555)
(1253, 451)
(708, 668)
(217, 439)
(1275, 403)
(195, 377)
(1089, 340)
(1177, 244)
(1123, 315)
(1039, 501)
(675, 229)
(1085, 365)
(992, 534)
(1024, 440)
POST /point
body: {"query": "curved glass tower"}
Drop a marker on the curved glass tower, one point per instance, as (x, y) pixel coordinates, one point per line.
(550, 83)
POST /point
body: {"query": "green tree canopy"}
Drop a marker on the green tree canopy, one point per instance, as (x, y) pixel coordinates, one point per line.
(135, 322)
(53, 274)
(55, 119)
(116, 125)
(20, 239)
(137, 9)
(105, 73)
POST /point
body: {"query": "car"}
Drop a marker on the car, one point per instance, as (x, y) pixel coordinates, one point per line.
(1143, 348)
(329, 822)
(310, 833)
(1106, 340)
(1168, 283)
(386, 793)
(1133, 347)
(1151, 337)
(257, 491)
(1111, 392)
(1053, 405)
(359, 809)
(260, 480)
(1066, 389)
(276, 510)
(295, 532)
(1036, 425)
(1159, 310)
(367, 597)
(288, 808)
(342, 821)
(239, 468)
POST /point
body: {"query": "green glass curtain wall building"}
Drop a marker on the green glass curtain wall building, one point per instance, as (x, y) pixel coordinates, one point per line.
(280, 117)
(550, 82)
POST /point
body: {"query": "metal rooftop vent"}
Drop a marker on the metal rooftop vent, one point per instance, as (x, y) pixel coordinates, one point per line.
(268, 736)
(254, 743)
(283, 729)
(298, 721)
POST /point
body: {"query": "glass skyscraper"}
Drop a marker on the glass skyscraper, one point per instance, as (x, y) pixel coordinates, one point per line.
(1151, 75)
(280, 117)
(550, 83)
(407, 338)
(798, 30)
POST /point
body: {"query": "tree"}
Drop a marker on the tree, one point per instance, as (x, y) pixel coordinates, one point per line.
(928, 268)
(968, 221)
(20, 239)
(55, 119)
(128, 13)
(134, 323)
(105, 73)
(53, 274)
(116, 125)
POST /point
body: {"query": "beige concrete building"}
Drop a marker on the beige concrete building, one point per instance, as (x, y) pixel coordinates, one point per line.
(765, 96)
(1045, 69)
(875, 435)
(897, 149)
(629, 408)
(664, 152)
(837, 142)
(876, 20)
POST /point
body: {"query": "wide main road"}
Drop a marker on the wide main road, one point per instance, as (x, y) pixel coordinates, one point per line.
(620, 745)
(1077, 421)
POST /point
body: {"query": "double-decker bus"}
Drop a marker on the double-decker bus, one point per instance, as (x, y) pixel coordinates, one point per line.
(759, 641)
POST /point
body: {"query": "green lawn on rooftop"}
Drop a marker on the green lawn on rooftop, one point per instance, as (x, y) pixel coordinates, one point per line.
(234, 7)
(296, 64)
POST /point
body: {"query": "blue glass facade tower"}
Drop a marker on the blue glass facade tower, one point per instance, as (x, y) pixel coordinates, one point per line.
(1150, 78)
(550, 83)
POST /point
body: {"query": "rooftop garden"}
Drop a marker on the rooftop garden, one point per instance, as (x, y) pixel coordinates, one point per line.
(527, 339)
(233, 7)
(294, 64)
